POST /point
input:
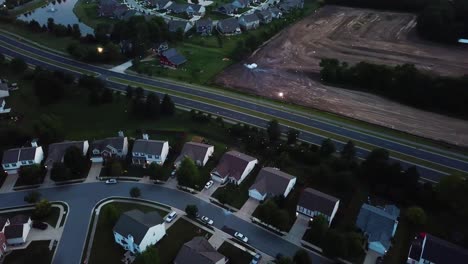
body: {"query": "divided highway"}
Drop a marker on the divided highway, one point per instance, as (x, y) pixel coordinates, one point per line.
(52, 58)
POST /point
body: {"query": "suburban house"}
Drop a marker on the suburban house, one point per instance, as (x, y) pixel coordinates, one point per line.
(177, 8)
(229, 26)
(109, 8)
(3, 223)
(233, 167)
(199, 251)
(227, 9)
(264, 16)
(129, 14)
(271, 182)
(119, 11)
(179, 25)
(195, 10)
(249, 22)
(3, 245)
(160, 4)
(275, 12)
(198, 152)
(13, 159)
(146, 151)
(3, 109)
(289, 5)
(135, 230)
(313, 203)
(171, 58)
(204, 27)
(379, 226)
(240, 3)
(426, 248)
(57, 151)
(18, 230)
(113, 147)
(4, 90)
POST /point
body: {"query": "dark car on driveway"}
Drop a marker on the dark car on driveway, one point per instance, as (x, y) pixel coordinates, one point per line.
(39, 225)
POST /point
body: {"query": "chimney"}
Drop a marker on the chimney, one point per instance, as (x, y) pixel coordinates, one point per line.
(34, 143)
(121, 133)
(145, 136)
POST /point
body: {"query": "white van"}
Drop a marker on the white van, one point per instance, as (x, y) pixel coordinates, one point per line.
(170, 217)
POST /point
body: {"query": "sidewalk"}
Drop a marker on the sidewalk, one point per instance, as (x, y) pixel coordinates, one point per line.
(9, 183)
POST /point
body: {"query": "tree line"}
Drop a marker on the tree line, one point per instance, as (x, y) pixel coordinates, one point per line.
(438, 20)
(402, 83)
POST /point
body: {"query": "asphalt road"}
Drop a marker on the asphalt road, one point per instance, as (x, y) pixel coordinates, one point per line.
(81, 199)
(426, 173)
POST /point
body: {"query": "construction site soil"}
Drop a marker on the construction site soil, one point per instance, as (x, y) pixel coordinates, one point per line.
(288, 67)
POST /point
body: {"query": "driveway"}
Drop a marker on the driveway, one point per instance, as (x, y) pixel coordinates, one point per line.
(371, 257)
(81, 199)
(94, 172)
(9, 183)
(249, 206)
(210, 191)
(298, 229)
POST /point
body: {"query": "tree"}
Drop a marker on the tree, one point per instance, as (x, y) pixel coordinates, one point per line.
(32, 197)
(152, 106)
(107, 96)
(302, 257)
(31, 174)
(167, 106)
(293, 134)
(349, 151)
(187, 174)
(74, 160)
(318, 229)
(135, 192)
(116, 168)
(270, 213)
(416, 216)
(42, 209)
(273, 130)
(48, 87)
(48, 128)
(129, 92)
(149, 256)
(2, 58)
(60, 172)
(327, 148)
(334, 245)
(110, 213)
(191, 210)
(18, 66)
(155, 171)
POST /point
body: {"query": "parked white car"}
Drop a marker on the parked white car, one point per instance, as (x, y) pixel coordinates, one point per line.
(209, 184)
(206, 220)
(241, 237)
(111, 181)
(170, 217)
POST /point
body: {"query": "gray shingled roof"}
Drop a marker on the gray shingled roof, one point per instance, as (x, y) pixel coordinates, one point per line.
(271, 181)
(233, 164)
(378, 223)
(114, 142)
(264, 14)
(151, 147)
(440, 251)
(57, 150)
(18, 154)
(137, 223)
(250, 18)
(317, 201)
(229, 8)
(13, 231)
(204, 22)
(4, 87)
(174, 57)
(175, 25)
(198, 251)
(194, 151)
(228, 25)
(178, 8)
(19, 219)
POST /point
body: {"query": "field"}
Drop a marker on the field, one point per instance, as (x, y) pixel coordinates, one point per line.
(289, 64)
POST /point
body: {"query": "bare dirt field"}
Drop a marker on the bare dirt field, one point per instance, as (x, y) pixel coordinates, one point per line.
(289, 64)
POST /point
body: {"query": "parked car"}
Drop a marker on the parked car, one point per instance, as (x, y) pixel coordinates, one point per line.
(173, 173)
(206, 220)
(170, 217)
(256, 259)
(241, 237)
(39, 225)
(209, 184)
(111, 181)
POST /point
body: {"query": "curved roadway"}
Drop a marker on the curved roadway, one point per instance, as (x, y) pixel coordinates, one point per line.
(81, 199)
(426, 173)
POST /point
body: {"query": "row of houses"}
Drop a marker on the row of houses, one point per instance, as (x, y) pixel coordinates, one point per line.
(13, 231)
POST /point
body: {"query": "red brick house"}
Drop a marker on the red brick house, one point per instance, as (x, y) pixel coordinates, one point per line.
(171, 58)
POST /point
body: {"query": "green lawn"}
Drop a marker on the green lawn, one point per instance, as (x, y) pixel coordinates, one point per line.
(234, 254)
(52, 219)
(104, 249)
(37, 252)
(179, 233)
(87, 12)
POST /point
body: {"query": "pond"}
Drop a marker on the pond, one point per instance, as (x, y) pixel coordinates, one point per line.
(62, 13)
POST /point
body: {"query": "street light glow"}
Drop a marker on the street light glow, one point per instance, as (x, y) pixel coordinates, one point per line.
(281, 94)
(100, 49)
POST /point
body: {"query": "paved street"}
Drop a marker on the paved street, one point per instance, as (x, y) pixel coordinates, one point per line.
(345, 131)
(82, 197)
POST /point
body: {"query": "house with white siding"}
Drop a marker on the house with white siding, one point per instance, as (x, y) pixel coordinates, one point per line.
(15, 158)
(135, 230)
(233, 167)
(198, 152)
(17, 231)
(146, 151)
(428, 249)
(57, 151)
(271, 182)
(313, 203)
(113, 147)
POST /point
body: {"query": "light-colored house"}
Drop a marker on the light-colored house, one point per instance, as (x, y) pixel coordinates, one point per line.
(265, 16)
(379, 225)
(146, 151)
(135, 230)
(3, 223)
(227, 9)
(3, 108)
(57, 151)
(249, 22)
(313, 203)
(204, 27)
(161, 4)
(241, 3)
(199, 251)
(233, 167)
(198, 152)
(275, 12)
(428, 249)
(271, 182)
(113, 147)
(17, 232)
(13, 159)
(195, 10)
